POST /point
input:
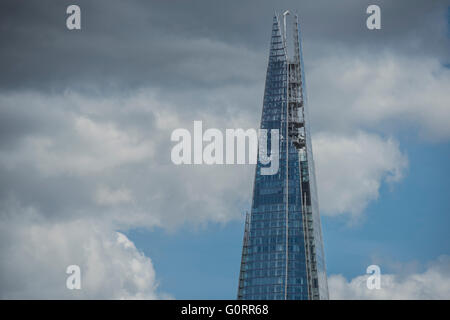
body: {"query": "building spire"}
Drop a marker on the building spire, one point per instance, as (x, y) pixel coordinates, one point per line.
(282, 256)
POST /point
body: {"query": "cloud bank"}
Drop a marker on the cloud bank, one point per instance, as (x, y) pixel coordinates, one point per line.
(35, 255)
(433, 283)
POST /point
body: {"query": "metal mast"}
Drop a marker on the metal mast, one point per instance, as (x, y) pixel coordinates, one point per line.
(286, 137)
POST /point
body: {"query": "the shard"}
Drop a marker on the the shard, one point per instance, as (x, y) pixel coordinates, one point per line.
(282, 255)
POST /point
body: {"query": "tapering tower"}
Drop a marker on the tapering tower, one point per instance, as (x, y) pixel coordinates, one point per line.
(282, 255)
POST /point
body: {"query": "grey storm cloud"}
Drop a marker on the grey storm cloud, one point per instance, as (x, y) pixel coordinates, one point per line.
(188, 44)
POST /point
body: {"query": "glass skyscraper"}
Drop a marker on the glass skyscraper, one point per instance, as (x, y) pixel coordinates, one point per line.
(282, 255)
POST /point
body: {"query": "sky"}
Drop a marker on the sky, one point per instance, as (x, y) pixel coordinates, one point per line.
(85, 123)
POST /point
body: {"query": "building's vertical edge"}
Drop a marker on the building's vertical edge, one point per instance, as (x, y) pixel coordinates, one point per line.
(318, 239)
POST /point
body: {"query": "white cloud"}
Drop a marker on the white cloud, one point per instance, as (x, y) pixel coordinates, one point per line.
(119, 151)
(35, 255)
(380, 91)
(433, 283)
(351, 169)
(104, 166)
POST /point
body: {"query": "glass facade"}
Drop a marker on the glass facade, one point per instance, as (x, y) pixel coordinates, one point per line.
(282, 256)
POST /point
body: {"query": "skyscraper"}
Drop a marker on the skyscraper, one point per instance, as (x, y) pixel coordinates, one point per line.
(282, 255)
